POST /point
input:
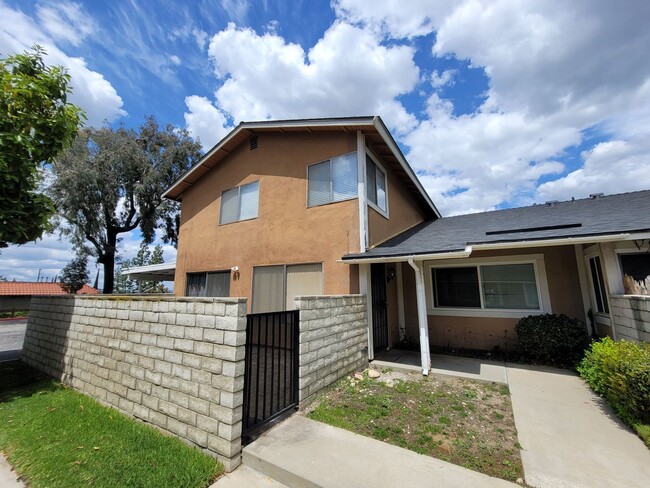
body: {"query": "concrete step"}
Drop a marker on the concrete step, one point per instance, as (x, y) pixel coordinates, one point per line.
(302, 453)
(245, 477)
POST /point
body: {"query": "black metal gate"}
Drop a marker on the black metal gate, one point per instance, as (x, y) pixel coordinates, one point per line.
(271, 375)
(379, 306)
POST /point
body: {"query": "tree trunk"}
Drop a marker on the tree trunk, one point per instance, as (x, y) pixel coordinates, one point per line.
(109, 262)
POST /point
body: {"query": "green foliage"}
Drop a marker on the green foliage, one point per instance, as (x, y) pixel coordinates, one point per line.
(552, 339)
(75, 274)
(620, 371)
(36, 124)
(144, 257)
(111, 181)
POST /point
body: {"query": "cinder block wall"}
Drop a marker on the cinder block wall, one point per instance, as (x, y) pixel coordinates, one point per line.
(631, 316)
(333, 340)
(177, 363)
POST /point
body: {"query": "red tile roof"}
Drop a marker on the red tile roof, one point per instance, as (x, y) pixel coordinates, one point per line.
(33, 288)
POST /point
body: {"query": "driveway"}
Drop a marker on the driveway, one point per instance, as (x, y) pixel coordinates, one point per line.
(12, 335)
(570, 438)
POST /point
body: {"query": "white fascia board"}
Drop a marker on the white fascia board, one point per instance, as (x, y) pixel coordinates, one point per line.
(414, 257)
(150, 268)
(397, 152)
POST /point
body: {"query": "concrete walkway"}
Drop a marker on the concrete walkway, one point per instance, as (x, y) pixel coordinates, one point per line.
(570, 438)
(12, 335)
(303, 453)
(8, 477)
(459, 367)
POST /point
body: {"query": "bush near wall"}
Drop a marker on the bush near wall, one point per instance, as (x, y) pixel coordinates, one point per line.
(552, 339)
(620, 372)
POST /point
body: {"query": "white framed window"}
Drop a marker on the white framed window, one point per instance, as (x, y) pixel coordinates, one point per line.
(333, 180)
(214, 284)
(240, 203)
(496, 287)
(275, 287)
(376, 185)
(598, 285)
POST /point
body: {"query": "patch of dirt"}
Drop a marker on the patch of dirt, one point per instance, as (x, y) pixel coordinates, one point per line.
(465, 422)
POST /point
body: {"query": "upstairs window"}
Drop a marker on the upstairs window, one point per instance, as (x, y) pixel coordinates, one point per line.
(333, 180)
(240, 203)
(376, 185)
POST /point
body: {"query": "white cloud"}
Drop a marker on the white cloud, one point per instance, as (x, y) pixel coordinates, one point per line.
(91, 91)
(175, 60)
(236, 9)
(205, 121)
(347, 72)
(65, 21)
(438, 80)
(49, 255)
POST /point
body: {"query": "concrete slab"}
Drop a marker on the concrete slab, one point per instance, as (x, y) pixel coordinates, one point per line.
(8, 477)
(570, 438)
(244, 477)
(302, 452)
(459, 367)
(12, 336)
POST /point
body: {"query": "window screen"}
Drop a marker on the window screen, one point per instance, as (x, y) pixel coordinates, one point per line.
(376, 184)
(240, 203)
(218, 284)
(195, 286)
(509, 286)
(333, 180)
(456, 287)
(303, 279)
(268, 289)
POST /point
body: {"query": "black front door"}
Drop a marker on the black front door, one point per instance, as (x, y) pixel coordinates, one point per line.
(379, 306)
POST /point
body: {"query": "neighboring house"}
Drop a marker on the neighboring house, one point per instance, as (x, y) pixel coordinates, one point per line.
(280, 209)
(16, 295)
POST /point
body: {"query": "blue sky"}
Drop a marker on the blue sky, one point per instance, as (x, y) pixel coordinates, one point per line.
(495, 103)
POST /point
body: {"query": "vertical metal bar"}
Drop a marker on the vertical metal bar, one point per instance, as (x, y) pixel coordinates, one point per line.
(285, 351)
(266, 364)
(247, 373)
(296, 332)
(274, 389)
(257, 375)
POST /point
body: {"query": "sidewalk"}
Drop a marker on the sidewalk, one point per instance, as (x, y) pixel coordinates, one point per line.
(570, 438)
(8, 478)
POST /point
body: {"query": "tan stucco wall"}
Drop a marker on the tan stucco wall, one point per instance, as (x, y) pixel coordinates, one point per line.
(488, 332)
(403, 211)
(285, 231)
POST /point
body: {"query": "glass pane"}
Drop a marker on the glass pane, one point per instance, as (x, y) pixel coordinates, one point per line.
(319, 184)
(303, 280)
(344, 177)
(229, 206)
(218, 284)
(381, 189)
(510, 286)
(195, 285)
(268, 289)
(595, 282)
(636, 273)
(371, 184)
(249, 201)
(456, 287)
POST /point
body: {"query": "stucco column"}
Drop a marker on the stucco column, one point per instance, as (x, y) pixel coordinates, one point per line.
(423, 326)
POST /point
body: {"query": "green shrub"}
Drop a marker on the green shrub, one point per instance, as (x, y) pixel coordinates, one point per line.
(620, 371)
(552, 339)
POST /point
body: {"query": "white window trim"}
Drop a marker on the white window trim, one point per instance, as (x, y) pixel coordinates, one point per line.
(328, 160)
(619, 249)
(543, 295)
(383, 213)
(239, 187)
(603, 317)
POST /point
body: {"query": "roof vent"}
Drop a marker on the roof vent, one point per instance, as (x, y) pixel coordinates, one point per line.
(552, 203)
(253, 142)
(596, 195)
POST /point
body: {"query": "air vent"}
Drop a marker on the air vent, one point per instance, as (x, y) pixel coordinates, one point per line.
(596, 195)
(253, 142)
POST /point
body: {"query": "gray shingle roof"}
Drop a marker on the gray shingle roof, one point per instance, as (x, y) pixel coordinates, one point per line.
(611, 214)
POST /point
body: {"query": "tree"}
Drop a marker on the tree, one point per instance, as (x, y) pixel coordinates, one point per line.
(75, 274)
(144, 257)
(110, 181)
(36, 124)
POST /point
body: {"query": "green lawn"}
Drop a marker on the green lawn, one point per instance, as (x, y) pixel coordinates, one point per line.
(459, 421)
(57, 437)
(643, 430)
